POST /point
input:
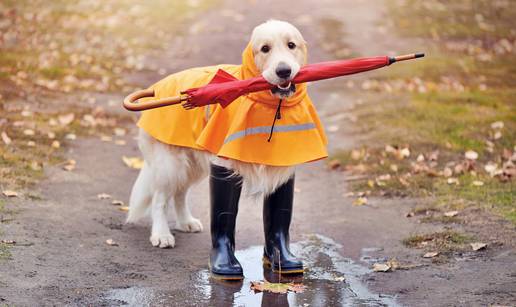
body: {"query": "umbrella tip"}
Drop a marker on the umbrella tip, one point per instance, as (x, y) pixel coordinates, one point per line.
(419, 55)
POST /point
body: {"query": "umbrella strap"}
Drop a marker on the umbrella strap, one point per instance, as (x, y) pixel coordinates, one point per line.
(276, 116)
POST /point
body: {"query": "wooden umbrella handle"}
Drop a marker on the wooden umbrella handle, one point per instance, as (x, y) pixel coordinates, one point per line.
(405, 57)
(131, 102)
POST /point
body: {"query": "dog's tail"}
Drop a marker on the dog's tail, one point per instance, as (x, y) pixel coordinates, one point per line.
(141, 195)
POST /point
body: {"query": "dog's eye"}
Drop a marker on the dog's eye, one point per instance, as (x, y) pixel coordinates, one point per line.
(265, 49)
(291, 45)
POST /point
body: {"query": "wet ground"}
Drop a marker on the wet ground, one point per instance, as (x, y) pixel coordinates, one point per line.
(62, 258)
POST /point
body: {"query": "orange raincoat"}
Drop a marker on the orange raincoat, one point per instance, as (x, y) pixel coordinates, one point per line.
(241, 130)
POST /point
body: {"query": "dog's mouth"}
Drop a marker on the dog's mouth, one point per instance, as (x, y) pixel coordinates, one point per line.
(284, 90)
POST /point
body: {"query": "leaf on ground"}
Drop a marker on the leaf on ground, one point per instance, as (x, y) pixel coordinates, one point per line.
(7, 140)
(360, 201)
(451, 213)
(339, 278)
(9, 242)
(10, 193)
(111, 242)
(280, 288)
(381, 267)
(123, 208)
(133, 162)
(55, 144)
(71, 137)
(497, 125)
(70, 165)
(478, 246)
(66, 119)
(477, 183)
(431, 255)
(119, 131)
(103, 196)
(453, 181)
(117, 202)
(29, 132)
(471, 155)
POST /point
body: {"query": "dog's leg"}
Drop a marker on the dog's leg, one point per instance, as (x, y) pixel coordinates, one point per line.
(141, 195)
(160, 235)
(185, 221)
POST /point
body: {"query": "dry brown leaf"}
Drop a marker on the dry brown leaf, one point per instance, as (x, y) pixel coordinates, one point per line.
(66, 119)
(431, 255)
(111, 242)
(451, 213)
(471, 155)
(103, 196)
(280, 288)
(117, 202)
(29, 132)
(10, 193)
(381, 267)
(477, 183)
(478, 246)
(7, 140)
(133, 162)
(360, 201)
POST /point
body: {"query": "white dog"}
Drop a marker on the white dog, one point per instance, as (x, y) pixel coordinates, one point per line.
(169, 171)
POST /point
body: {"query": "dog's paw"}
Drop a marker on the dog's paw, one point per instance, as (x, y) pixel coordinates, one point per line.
(190, 225)
(163, 240)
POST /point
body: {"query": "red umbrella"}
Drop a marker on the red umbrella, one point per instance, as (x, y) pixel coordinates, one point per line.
(224, 88)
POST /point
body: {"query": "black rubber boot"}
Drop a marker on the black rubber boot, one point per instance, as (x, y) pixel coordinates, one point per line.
(225, 190)
(277, 214)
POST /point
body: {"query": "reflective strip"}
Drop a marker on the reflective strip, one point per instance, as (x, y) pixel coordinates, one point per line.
(267, 130)
(207, 112)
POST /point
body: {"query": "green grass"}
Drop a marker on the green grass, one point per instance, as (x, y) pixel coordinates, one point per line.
(445, 101)
(445, 241)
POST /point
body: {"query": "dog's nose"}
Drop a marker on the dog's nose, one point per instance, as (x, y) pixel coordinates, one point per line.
(283, 71)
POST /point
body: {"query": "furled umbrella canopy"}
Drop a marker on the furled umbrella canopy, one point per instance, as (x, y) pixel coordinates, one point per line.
(224, 88)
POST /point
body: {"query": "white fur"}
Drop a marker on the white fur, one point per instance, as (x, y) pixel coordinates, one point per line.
(169, 171)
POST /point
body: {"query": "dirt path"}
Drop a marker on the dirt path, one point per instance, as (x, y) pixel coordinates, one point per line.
(62, 257)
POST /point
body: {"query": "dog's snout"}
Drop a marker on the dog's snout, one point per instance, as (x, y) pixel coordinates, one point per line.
(283, 70)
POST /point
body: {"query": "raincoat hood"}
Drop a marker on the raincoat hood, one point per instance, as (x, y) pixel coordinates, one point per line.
(249, 70)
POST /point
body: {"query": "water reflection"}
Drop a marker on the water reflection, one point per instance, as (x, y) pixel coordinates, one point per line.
(331, 280)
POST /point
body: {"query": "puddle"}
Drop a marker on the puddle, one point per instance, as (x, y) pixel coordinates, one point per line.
(323, 281)
(132, 296)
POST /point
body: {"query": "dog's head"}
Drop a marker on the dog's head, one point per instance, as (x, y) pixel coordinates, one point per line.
(279, 52)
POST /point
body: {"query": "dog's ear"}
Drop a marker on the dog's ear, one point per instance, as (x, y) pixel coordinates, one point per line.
(304, 49)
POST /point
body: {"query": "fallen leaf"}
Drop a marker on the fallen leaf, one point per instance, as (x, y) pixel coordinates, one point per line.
(133, 162)
(477, 183)
(420, 158)
(497, 135)
(70, 165)
(117, 202)
(10, 242)
(453, 181)
(103, 196)
(451, 213)
(471, 155)
(119, 131)
(381, 267)
(10, 193)
(430, 254)
(360, 201)
(334, 164)
(280, 288)
(28, 132)
(31, 143)
(497, 125)
(66, 119)
(409, 214)
(55, 144)
(447, 172)
(478, 246)
(339, 278)
(111, 242)
(123, 208)
(7, 140)
(71, 136)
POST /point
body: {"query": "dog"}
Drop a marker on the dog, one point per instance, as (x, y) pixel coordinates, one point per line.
(169, 171)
